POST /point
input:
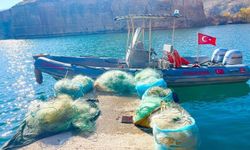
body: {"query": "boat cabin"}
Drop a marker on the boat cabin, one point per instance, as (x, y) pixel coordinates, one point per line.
(140, 53)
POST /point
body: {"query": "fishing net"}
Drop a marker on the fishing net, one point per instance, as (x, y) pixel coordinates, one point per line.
(49, 116)
(86, 113)
(165, 94)
(76, 87)
(147, 76)
(66, 86)
(148, 106)
(116, 81)
(141, 88)
(174, 128)
(57, 115)
(87, 82)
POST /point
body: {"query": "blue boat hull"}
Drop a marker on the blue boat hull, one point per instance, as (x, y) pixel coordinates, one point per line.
(60, 67)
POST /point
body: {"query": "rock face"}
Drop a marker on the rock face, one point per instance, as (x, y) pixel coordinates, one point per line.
(218, 7)
(38, 18)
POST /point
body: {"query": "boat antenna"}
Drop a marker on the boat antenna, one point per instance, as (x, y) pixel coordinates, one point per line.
(175, 15)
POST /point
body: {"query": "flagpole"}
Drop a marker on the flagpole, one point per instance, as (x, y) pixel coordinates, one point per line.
(198, 54)
(173, 33)
(198, 50)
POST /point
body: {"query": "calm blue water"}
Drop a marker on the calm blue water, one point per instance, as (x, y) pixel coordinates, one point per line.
(222, 112)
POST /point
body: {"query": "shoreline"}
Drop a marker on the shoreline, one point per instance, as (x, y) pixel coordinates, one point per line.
(105, 32)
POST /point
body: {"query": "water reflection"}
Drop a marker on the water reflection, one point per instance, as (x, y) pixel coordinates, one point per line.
(16, 86)
(212, 92)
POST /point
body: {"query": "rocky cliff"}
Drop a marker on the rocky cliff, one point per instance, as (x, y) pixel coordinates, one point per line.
(227, 11)
(219, 7)
(38, 18)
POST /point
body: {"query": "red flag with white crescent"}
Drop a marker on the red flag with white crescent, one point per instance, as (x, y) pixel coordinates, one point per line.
(206, 39)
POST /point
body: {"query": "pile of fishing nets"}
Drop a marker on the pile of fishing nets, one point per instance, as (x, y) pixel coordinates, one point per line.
(150, 104)
(174, 128)
(125, 84)
(57, 115)
(117, 82)
(148, 78)
(152, 89)
(76, 87)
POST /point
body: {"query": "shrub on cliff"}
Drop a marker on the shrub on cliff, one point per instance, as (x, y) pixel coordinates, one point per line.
(244, 14)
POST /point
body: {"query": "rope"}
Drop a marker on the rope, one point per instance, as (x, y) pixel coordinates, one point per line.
(66, 75)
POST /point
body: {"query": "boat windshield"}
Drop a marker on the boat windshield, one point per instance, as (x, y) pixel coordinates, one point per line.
(136, 37)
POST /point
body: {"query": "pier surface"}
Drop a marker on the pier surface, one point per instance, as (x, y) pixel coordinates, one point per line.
(110, 133)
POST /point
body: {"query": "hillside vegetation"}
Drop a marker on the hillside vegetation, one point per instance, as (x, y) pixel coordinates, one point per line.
(227, 11)
(219, 7)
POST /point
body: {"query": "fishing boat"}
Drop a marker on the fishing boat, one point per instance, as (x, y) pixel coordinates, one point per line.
(224, 65)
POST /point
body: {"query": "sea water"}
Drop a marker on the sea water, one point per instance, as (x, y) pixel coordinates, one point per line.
(222, 112)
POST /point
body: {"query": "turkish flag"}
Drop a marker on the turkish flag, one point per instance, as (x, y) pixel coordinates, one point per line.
(206, 39)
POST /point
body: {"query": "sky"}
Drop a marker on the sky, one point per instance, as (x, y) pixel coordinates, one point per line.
(5, 4)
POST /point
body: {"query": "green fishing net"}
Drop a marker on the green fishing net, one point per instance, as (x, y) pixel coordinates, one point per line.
(146, 107)
(60, 114)
(87, 82)
(147, 76)
(76, 87)
(165, 94)
(116, 81)
(174, 128)
(87, 114)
